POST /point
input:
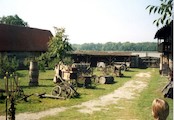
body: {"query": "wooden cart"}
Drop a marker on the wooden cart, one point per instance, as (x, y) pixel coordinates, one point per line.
(65, 89)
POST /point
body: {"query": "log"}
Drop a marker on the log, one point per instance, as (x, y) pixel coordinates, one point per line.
(106, 80)
(51, 96)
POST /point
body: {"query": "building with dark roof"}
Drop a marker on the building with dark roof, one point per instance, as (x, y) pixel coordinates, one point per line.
(23, 39)
(108, 57)
(165, 46)
(136, 59)
(23, 42)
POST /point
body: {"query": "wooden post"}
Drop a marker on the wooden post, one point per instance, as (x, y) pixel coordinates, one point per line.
(7, 94)
(33, 73)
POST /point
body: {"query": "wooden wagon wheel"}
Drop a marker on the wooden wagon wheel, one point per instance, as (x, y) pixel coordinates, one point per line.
(66, 91)
(95, 80)
(123, 67)
(56, 91)
(73, 83)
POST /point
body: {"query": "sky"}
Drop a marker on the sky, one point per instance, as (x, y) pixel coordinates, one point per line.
(88, 21)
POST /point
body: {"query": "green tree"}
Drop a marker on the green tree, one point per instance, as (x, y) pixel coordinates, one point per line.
(13, 20)
(111, 46)
(164, 10)
(8, 64)
(59, 45)
(58, 49)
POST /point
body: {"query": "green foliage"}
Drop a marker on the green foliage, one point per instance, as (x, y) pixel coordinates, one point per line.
(13, 20)
(68, 61)
(52, 63)
(41, 63)
(111, 46)
(164, 10)
(26, 62)
(8, 64)
(59, 45)
(58, 48)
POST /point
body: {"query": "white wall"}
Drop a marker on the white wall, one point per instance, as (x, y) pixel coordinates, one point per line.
(147, 54)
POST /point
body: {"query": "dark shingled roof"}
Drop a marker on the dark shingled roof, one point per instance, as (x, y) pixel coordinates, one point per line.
(23, 39)
(165, 31)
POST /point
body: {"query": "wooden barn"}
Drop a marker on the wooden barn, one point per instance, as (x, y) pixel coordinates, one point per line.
(23, 42)
(165, 46)
(148, 59)
(108, 57)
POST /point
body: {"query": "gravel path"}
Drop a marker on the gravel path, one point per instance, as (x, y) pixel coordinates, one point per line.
(128, 91)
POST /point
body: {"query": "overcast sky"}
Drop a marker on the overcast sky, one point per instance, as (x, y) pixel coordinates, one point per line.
(86, 21)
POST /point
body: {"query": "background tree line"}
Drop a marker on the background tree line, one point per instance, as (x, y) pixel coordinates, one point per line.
(112, 46)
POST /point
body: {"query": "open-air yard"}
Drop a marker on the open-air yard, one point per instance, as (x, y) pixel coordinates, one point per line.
(117, 37)
(130, 97)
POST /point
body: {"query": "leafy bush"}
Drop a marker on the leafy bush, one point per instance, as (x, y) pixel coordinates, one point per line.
(68, 60)
(41, 63)
(26, 62)
(8, 64)
(52, 63)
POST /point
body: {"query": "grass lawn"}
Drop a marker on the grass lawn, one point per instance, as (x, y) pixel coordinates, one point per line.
(141, 106)
(143, 103)
(46, 84)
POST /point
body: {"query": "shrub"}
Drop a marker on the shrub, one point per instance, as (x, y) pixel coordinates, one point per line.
(8, 64)
(41, 63)
(52, 63)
